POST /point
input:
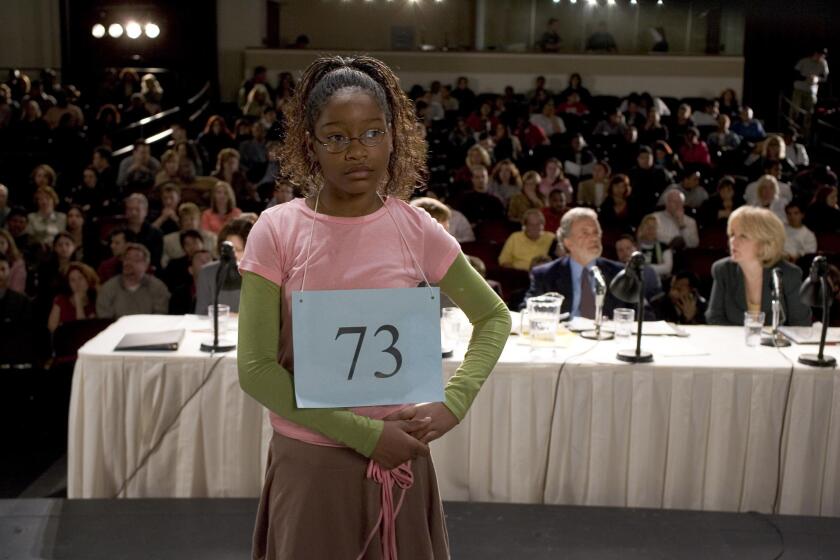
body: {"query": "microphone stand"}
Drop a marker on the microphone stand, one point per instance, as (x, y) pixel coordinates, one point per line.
(639, 356)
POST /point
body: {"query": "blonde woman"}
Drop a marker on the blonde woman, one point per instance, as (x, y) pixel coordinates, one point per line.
(476, 155)
(742, 281)
(170, 167)
(222, 208)
(530, 197)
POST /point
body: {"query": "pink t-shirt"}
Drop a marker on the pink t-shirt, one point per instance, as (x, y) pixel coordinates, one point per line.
(365, 252)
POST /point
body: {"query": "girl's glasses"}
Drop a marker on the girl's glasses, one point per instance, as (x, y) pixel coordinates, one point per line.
(337, 143)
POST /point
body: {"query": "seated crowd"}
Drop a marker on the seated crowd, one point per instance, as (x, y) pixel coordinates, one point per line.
(537, 188)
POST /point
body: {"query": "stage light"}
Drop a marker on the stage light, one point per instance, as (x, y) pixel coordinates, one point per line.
(115, 30)
(633, 2)
(659, 2)
(133, 30)
(98, 31)
(556, 1)
(610, 2)
(152, 30)
(573, 1)
(592, 2)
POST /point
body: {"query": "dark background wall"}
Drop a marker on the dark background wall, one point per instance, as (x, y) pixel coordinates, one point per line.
(778, 33)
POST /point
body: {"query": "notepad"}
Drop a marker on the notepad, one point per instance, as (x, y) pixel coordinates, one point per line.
(811, 335)
(165, 340)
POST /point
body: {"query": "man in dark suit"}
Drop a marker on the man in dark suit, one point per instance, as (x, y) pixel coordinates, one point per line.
(571, 275)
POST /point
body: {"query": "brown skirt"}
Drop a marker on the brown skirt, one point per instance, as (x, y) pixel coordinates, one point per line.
(317, 503)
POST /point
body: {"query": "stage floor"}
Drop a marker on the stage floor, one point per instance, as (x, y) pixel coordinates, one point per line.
(221, 529)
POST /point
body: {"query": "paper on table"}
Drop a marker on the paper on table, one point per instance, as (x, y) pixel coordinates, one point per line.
(649, 328)
(811, 335)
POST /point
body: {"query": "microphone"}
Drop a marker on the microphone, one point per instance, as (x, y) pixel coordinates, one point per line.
(777, 283)
(776, 338)
(600, 296)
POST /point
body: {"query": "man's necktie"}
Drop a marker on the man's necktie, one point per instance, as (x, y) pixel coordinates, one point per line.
(587, 298)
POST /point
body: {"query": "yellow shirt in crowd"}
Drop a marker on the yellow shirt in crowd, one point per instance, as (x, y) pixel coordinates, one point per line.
(519, 250)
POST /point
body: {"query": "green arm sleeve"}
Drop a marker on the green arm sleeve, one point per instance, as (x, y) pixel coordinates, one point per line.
(262, 377)
(491, 328)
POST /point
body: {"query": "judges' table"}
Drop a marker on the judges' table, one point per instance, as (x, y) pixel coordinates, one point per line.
(700, 428)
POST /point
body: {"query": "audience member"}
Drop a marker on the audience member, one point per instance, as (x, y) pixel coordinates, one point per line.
(505, 182)
(478, 205)
(183, 298)
(592, 192)
(17, 266)
(522, 247)
(682, 303)
(618, 210)
(77, 299)
(227, 171)
(657, 254)
(723, 138)
(137, 172)
(693, 150)
(222, 209)
(710, 114)
(4, 204)
(189, 218)
(170, 168)
(767, 196)
(716, 210)
(529, 198)
(167, 220)
(651, 181)
(88, 245)
(799, 240)
(136, 212)
(555, 210)
(747, 127)
(578, 159)
(742, 281)
(215, 137)
(675, 228)
(17, 325)
(133, 291)
(555, 179)
(625, 246)
(118, 240)
(694, 193)
(46, 222)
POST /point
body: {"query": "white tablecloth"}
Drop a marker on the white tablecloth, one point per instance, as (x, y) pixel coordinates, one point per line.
(700, 428)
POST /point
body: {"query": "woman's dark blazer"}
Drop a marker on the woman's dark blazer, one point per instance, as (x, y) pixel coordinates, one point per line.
(728, 301)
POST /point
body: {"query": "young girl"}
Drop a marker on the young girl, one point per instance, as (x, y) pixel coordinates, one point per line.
(353, 483)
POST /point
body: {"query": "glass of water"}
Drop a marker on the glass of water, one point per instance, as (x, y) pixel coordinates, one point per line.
(753, 323)
(224, 317)
(623, 319)
(544, 318)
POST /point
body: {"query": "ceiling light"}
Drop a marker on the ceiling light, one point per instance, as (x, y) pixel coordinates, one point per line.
(115, 30)
(133, 30)
(98, 31)
(152, 30)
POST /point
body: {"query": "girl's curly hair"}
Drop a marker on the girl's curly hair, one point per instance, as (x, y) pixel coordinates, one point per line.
(325, 77)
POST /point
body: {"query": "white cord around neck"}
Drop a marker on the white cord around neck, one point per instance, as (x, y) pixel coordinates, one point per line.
(388, 210)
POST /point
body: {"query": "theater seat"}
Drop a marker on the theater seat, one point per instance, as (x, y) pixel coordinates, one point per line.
(487, 252)
(69, 337)
(495, 231)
